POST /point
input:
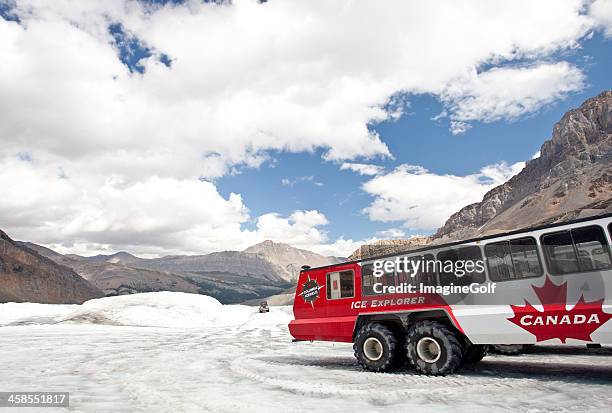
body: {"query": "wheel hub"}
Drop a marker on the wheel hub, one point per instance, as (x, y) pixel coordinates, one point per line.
(428, 350)
(373, 349)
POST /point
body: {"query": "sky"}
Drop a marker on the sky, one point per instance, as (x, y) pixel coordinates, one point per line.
(186, 127)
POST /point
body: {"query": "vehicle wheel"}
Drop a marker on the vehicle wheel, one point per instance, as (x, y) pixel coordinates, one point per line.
(376, 348)
(433, 349)
(474, 353)
(510, 349)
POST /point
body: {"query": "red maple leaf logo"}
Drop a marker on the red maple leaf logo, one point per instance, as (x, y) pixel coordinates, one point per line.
(556, 321)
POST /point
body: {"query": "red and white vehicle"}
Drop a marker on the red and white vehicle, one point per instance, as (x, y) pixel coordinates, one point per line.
(552, 284)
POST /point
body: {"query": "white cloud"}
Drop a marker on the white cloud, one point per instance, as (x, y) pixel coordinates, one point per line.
(508, 93)
(424, 200)
(601, 11)
(300, 179)
(341, 247)
(391, 233)
(246, 80)
(91, 214)
(300, 229)
(361, 168)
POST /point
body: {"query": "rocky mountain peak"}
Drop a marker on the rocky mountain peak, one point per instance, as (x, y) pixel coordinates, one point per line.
(572, 177)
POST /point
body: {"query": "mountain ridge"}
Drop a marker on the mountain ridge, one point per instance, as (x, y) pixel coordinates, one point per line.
(230, 276)
(26, 275)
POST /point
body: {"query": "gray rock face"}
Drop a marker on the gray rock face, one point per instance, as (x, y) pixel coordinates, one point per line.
(385, 247)
(232, 262)
(288, 258)
(26, 276)
(571, 178)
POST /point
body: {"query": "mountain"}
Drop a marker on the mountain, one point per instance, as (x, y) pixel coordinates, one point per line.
(231, 262)
(262, 270)
(229, 276)
(391, 246)
(290, 259)
(116, 279)
(26, 276)
(571, 178)
(122, 257)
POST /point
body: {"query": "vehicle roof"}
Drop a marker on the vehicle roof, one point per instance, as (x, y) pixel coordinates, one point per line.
(453, 243)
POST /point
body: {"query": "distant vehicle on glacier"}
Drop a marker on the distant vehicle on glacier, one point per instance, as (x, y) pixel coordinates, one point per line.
(548, 284)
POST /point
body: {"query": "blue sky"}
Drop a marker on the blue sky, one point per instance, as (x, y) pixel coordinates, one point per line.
(190, 127)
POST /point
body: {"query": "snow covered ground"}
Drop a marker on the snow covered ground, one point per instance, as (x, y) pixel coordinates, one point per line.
(175, 352)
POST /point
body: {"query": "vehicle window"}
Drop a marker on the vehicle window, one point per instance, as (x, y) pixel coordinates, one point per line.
(576, 250)
(340, 285)
(499, 261)
(388, 278)
(560, 253)
(459, 257)
(525, 258)
(592, 248)
(367, 279)
(513, 259)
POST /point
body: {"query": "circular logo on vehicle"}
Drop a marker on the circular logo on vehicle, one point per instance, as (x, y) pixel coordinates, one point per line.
(310, 291)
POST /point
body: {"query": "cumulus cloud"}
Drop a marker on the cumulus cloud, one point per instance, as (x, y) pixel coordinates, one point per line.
(424, 200)
(601, 11)
(90, 214)
(508, 93)
(361, 168)
(117, 156)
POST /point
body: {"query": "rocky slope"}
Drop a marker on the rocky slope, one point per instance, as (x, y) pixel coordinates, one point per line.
(26, 276)
(571, 178)
(391, 246)
(231, 262)
(290, 259)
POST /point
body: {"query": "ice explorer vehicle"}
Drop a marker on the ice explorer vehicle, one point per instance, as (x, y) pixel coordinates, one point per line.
(552, 283)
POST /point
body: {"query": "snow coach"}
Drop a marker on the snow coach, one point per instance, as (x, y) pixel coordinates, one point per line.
(547, 284)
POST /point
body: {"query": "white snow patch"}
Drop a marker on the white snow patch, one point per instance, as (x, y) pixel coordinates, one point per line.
(33, 313)
(157, 309)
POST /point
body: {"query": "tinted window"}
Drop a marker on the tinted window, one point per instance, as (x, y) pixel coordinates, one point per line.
(592, 248)
(425, 274)
(367, 279)
(576, 250)
(460, 257)
(388, 278)
(340, 285)
(560, 253)
(513, 259)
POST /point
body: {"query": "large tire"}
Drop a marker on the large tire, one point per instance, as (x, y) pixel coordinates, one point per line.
(377, 349)
(433, 349)
(510, 349)
(474, 353)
